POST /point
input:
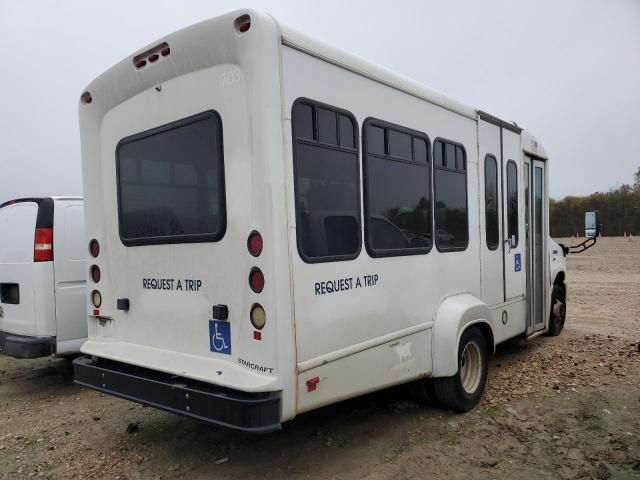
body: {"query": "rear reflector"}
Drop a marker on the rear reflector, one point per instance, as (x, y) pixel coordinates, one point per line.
(43, 245)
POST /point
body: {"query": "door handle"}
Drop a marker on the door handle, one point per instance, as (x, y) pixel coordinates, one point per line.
(508, 242)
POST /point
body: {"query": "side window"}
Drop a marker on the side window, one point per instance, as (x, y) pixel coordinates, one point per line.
(450, 194)
(325, 162)
(491, 202)
(397, 190)
(512, 201)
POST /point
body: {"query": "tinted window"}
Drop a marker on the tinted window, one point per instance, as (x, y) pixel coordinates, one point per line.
(397, 193)
(512, 201)
(399, 144)
(450, 189)
(491, 202)
(303, 121)
(438, 155)
(347, 136)
(327, 126)
(171, 183)
(420, 150)
(375, 140)
(326, 188)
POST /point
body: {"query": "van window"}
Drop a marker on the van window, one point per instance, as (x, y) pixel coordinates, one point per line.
(397, 191)
(512, 201)
(491, 202)
(171, 183)
(326, 182)
(450, 193)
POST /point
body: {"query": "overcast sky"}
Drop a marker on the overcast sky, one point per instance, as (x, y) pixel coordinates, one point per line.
(569, 71)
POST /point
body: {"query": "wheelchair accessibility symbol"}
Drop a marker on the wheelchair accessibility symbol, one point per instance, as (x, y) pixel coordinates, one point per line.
(220, 337)
(518, 262)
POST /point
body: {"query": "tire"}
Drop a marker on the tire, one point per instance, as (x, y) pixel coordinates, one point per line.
(558, 312)
(464, 390)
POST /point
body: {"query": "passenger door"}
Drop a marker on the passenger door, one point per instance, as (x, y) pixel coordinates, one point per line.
(512, 227)
(536, 247)
(491, 213)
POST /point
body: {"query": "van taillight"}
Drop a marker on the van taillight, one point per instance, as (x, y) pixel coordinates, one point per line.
(43, 245)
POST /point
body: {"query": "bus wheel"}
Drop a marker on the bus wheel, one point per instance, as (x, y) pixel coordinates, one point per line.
(463, 391)
(558, 310)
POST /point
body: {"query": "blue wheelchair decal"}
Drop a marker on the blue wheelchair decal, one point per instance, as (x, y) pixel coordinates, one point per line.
(220, 337)
(518, 262)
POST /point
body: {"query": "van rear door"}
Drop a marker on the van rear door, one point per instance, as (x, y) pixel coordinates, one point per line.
(26, 286)
(70, 273)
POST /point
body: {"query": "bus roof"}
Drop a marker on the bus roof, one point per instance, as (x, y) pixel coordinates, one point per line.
(114, 91)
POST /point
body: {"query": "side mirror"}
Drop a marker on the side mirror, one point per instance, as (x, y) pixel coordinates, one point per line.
(591, 224)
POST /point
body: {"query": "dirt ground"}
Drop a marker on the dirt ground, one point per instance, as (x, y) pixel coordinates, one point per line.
(565, 407)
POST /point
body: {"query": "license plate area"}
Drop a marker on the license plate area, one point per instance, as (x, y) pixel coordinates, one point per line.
(10, 293)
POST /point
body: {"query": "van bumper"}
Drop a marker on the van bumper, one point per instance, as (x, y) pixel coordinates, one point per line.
(24, 346)
(249, 412)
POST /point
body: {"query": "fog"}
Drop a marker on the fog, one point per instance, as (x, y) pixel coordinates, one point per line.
(568, 71)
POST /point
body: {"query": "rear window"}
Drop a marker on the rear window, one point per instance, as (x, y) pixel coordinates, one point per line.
(171, 183)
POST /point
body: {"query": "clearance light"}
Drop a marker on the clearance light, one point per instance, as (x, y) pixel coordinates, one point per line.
(96, 298)
(243, 23)
(43, 245)
(95, 273)
(258, 317)
(254, 244)
(94, 248)
(256, 280)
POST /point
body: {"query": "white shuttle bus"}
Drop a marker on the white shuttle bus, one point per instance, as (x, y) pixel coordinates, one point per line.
(42, 281)
(280, 225)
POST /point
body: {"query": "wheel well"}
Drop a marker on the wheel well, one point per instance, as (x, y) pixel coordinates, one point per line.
(488, 336)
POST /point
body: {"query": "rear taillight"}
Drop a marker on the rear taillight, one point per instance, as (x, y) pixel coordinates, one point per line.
(94, 248)
(256, 280)
(43, 245)
(95, 273)
(254, 244)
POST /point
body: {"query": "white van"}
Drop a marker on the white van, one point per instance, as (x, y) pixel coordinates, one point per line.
(280, 225)
(42, 277)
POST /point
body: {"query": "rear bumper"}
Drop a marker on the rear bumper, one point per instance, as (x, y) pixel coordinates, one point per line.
(23, 346)
(249, 412)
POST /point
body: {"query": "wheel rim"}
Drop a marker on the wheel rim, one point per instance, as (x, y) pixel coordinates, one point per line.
(559, 311)
(471, 367)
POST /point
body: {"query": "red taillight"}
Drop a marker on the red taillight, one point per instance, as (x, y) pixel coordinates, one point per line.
(256, 280)
(43, 245)
(153, 58)
(244, 26)
(165, 51)
(254, 244)
(94, 248)
(95, 273)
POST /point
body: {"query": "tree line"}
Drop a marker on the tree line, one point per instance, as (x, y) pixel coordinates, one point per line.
(619, 211)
